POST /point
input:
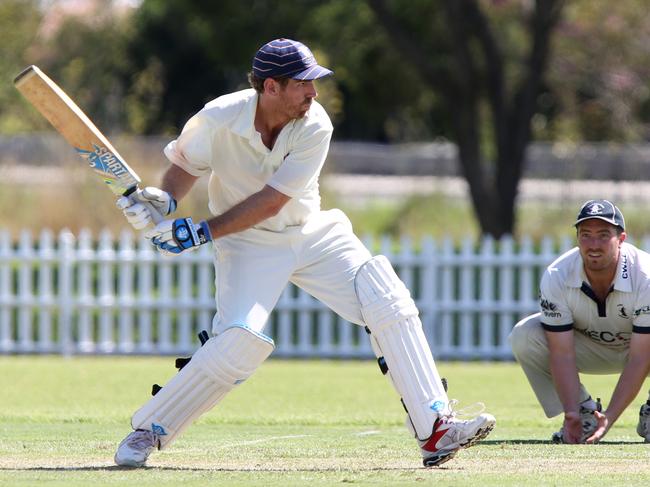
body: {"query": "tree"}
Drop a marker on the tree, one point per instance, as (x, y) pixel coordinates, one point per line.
(599, 74)
(473, 80)
(186, 52)
(19, 21)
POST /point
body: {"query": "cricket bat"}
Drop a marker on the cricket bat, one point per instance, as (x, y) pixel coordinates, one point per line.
(80, 132)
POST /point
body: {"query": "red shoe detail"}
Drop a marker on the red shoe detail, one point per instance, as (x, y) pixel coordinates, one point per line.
(437, 434)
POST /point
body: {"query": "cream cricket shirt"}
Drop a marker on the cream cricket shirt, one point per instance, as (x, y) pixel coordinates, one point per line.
(221, 141)
(567, 301)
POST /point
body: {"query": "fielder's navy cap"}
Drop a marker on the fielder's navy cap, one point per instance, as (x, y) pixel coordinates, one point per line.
(282, 58)
(603, 210)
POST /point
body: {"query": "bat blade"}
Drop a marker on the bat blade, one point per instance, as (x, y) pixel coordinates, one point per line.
(80, 132)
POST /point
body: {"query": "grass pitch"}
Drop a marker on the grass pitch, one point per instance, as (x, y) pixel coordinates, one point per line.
(294, 423)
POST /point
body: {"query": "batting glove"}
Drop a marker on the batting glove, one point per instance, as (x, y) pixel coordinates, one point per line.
(146, 206)
(172, 237)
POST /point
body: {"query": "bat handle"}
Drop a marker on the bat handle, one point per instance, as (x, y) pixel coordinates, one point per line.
(156, 216)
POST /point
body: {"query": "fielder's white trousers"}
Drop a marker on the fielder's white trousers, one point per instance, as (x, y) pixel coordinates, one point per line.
(530, 348)
(254, 266)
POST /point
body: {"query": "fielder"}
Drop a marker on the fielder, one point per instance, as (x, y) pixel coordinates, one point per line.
(263, 149)
(594, 319)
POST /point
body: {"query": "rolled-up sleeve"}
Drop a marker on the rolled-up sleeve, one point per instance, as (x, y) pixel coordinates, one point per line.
(302, 165)
(641, 320)
(192, 150)
(555, 312)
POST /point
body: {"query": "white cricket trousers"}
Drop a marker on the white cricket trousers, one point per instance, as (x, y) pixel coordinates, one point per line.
(254, 266)
(530, 348)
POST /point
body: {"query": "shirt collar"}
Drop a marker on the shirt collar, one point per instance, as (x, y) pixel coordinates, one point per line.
(244, 123)
(623, 281)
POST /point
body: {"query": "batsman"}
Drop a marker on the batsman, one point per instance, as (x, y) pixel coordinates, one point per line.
(263, 149)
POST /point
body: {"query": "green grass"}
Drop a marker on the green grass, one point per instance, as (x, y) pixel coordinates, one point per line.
(314, 423)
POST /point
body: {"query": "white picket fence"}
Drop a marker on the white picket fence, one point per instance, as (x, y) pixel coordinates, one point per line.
(86, 295)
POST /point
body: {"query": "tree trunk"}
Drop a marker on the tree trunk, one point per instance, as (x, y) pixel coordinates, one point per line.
(493, 185)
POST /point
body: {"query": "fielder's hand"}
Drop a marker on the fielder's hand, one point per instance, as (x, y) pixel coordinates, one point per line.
(601, 429)
(572, 428)
(146, 206)
(172, 237)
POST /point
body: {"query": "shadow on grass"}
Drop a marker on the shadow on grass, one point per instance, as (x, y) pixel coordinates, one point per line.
(547, 442)
(114, 468)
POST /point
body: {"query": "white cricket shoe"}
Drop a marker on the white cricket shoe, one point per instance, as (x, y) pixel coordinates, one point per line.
(450, 434)
(643, 428)
(589, 421)
(136, 448)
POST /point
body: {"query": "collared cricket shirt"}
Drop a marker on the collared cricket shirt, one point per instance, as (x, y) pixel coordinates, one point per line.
(568, 302)
(221, 141)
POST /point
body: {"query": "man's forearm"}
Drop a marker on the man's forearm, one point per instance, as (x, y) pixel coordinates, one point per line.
(567, 383)
(177, 182)
(253, 210)
(628, 386)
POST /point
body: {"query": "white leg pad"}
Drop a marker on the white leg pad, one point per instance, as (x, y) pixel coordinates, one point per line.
(223, 362)
(392, 318)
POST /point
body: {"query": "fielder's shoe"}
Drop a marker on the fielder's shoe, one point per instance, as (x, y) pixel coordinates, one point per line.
(589, 421)
(450, 434)
(135, 448)
(643, 428)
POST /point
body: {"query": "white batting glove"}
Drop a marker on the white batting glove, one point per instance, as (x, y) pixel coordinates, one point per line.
(146, 206)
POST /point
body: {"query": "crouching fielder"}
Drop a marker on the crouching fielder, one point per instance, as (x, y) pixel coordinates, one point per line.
(263, 149)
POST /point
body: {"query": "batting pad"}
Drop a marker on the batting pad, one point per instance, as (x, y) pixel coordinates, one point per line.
(223, 362)
(392, 318)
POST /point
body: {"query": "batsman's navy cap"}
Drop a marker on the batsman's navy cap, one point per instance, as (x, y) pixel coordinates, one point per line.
(603, 210)
(282, 58)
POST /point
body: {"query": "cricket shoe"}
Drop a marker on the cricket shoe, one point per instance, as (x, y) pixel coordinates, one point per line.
(589, 421)
(451, 433)
(643, 428)
(136, 448)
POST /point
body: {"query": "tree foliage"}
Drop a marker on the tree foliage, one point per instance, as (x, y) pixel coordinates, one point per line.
(490, 75)
(19, 21)
(471, 70)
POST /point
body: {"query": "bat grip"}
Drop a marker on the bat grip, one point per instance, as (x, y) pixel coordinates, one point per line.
(156, 216)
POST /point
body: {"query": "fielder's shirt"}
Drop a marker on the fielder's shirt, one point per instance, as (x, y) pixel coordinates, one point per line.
(221, 141)
(568, 302)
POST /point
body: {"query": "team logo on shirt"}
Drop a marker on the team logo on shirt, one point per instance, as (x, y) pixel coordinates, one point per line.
(549, 309)
(621, 311)
(607, 337)
(547, 305)
(645, 310)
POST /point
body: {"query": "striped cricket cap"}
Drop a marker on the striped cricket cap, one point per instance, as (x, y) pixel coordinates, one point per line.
(603, 210)
(287, 58)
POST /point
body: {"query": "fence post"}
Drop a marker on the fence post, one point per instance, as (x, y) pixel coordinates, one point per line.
(446, 299)
(25, 292)
(145, 258)
(66, 268)
(86, 259)
(184, 330)
(164, 322)
(106, 258)
(6, 336)
(46, 256)
(429, 291)
(466, 328)
(506, 291)
(486, 297)
(126, 264)
(284, 338)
